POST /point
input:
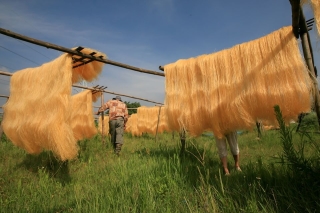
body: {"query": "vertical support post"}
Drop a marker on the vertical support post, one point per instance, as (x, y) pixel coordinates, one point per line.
(1, 130)
(258, 124)
(183, 141)
(307, 52)
(102, 120)
(158, 124)
(300, 117)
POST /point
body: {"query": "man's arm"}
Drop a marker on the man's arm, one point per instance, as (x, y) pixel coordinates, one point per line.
(103, 108)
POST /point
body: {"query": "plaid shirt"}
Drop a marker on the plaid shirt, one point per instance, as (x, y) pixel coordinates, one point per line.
(116, 109)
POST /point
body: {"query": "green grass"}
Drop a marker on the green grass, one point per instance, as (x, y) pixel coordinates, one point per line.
(152, 176)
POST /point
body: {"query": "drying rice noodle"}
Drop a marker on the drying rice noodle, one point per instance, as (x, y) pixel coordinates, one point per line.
(38, 114)
(232, 89)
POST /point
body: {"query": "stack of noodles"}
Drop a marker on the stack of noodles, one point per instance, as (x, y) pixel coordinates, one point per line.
(132, 125)
(315, 4)
(38, 114)
(82, 120)
(233, 88)
(105, 125)
(148, 120)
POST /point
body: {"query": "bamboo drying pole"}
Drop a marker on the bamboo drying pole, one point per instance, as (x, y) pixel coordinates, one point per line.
(6, 73)
(158, 124)
(92, 88)
(300, 27)
(74, 52)
(182, 135)
(295, 11)
(102, 120)
(1, 131)
(105, 91)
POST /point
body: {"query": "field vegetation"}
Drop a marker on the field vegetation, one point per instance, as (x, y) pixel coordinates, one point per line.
(280, 173)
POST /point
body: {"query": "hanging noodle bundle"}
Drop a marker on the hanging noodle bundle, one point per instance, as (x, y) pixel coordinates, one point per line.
(132, 125)
(233, 88)
(95, 96)
(148, 118)
(91, 70)
(38, 113)
(163, 120)
(82, 120)
(105, 125)
(142, 113)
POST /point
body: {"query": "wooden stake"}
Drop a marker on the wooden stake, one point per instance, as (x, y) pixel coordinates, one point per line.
(308, 56)
(158, 124)
(183, 141)
(102, 120)
(258, 124)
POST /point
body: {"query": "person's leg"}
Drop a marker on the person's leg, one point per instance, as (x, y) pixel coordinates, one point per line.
(119, 134)
(222, 150)
(112, 131)
(233, 143)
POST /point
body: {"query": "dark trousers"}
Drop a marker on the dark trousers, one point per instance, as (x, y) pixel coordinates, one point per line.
(116, 131)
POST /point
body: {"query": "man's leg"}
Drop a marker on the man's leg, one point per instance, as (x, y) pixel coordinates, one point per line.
(118, 148)
(112, 131)
(119, 134)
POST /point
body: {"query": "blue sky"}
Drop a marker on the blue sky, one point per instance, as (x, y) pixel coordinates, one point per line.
(141, 33)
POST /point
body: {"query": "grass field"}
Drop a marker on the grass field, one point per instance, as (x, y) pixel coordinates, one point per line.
(152, 176)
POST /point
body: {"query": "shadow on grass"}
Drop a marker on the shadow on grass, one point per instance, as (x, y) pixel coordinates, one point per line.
(193, 160)
(263, 182)
(69, 208)
(47, 162)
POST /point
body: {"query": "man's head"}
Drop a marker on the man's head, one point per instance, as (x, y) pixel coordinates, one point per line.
(118, 98)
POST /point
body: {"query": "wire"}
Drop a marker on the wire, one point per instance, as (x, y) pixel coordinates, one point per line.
(20, 55)
(6, 67)
(35, 50)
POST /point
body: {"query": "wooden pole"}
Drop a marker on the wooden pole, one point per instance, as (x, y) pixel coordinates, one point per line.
(295, 11)
(102, 120)
(74, 52)
(158, 124)
(91, 88)
(299, 27)
(308, 56)
(258, 124)
(300, 117)
(6, 73)
(183, 141)
(1, 131)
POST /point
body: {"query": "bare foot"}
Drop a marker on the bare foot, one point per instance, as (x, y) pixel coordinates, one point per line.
(226, 172)
(238, 169)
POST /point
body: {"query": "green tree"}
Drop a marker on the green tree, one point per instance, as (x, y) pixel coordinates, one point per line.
(132, 105)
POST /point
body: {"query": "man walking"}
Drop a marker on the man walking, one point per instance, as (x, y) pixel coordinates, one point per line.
(118, 117)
